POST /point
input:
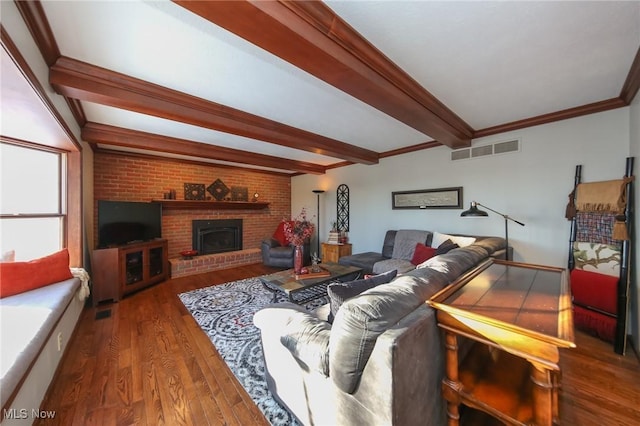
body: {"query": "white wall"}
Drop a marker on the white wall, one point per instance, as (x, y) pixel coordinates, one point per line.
(531, 186)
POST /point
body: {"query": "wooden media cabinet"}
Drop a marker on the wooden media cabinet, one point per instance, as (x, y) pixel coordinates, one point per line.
(119, 271)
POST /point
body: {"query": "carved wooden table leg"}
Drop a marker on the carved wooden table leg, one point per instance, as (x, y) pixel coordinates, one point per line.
(451, 385)
(543, 395)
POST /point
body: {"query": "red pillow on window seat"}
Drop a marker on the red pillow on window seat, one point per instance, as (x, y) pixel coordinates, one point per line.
(422, 253)
(280, 236)
(596, 290)
(18, 277)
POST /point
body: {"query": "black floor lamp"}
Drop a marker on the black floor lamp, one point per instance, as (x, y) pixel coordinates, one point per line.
(318, 192)
(474, 211)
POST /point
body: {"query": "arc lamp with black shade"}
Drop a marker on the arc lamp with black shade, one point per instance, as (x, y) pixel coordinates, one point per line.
(474, 211)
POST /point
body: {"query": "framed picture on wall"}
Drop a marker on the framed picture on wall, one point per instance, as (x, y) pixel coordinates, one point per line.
(440, 198)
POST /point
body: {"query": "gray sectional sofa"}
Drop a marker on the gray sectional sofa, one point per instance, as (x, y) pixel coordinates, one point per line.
(380, 362)
(397, 249)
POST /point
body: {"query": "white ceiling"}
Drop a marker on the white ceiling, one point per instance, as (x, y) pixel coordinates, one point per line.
(491, 63)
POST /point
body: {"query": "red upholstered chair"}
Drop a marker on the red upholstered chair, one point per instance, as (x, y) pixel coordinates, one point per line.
(278, 252)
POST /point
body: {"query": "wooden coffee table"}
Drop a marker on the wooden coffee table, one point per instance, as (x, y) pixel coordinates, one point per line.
(301, 291)
(521, 315)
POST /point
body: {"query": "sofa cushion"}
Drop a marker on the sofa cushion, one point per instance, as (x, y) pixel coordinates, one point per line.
(400, 265)
(405, 242)
(491, 244)
(387, 244)
(446, 247)
(452, 264)
(18, 277)
(307, 338)
(461, 241)
(362, 260)
(340, 292)
(422, 253)
(363, 318)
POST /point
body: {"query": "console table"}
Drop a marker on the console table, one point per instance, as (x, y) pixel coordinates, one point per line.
(519, 315)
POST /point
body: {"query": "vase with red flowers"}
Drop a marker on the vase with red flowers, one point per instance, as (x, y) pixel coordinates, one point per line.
(297, 231)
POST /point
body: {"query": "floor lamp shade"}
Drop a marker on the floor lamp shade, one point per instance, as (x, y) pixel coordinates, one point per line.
(474, 211)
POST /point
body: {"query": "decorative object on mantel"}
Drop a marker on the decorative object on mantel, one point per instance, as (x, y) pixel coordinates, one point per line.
(171, 195)
(297, 231)
(188, 254)
(218, 190)
(239, 193)
(194, 191)
(255, 197)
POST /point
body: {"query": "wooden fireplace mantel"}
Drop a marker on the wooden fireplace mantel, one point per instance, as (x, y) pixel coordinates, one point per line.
(212, 205)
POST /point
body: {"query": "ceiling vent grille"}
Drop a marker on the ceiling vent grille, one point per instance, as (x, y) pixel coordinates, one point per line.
(484, 150)
(481, 151)
(461, 154)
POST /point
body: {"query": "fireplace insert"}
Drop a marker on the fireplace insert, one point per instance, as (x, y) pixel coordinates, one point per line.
(217, 236)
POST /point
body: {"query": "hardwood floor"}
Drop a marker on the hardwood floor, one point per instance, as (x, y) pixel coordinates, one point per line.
(149, 363)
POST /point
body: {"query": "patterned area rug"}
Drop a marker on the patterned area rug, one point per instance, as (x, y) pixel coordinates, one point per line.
(225, 314)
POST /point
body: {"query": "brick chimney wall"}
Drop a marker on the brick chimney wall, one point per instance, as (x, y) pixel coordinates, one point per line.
(121, 177)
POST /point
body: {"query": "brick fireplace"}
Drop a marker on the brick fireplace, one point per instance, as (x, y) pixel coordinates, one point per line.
(132, 178)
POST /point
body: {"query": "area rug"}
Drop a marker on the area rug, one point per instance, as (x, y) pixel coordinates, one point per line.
(225, 314)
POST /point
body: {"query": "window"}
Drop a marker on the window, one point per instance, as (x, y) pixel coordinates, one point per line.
(31, 201)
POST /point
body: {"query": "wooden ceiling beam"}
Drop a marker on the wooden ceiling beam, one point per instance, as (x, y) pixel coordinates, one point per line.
(86, 82)
(309, 35)
(117, 136)
(632, 83)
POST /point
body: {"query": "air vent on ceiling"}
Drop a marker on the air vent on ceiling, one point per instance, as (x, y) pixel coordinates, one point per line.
(484, 150)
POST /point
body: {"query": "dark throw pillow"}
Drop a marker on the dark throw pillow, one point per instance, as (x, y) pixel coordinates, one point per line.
(340, 292)
(446, 247)
(422, 253)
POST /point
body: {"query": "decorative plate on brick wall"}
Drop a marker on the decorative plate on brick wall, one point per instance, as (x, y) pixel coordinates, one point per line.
(218, 190)
(239, 193)
(194, 191)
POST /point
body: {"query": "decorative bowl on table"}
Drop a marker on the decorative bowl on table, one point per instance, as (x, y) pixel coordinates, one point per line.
(188, 254)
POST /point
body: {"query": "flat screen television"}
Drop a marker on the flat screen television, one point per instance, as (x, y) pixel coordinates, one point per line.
(125, 222)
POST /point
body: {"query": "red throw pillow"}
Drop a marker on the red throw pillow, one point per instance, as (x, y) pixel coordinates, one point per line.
(422, 253)
(18, 277)
(280, 236)
(595, 290)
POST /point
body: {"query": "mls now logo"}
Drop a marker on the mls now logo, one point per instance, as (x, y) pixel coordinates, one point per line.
(23, 413)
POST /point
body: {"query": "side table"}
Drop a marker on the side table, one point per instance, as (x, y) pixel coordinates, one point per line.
(519, 315)
(333, 252)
